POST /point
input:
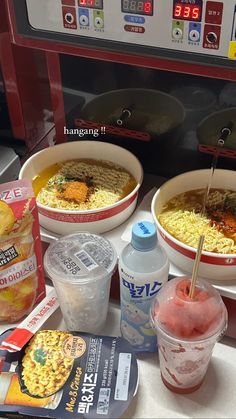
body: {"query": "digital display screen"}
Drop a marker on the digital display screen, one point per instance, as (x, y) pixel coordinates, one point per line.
(94, 4)
(137, 7)
(187, 11)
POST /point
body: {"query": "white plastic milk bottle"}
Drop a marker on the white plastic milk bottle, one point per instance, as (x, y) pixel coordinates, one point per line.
(143, 269)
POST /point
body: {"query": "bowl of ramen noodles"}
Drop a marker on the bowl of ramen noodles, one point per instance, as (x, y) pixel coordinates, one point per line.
(177, 208)
(84, 186)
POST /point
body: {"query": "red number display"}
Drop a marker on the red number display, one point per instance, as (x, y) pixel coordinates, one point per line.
(147, 7)
(187, 12)
(178, 10)
(196, 13)
(137, 7)
(95, 4)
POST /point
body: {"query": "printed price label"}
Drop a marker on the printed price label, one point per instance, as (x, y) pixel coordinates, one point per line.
(122, 382)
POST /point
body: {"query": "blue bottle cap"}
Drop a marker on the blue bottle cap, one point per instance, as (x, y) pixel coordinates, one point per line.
(144, 236)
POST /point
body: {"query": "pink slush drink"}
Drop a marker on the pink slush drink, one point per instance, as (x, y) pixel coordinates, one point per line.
(187, 330)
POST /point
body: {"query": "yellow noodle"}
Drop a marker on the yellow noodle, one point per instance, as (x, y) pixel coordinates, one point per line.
(182, 219)
(110, 183)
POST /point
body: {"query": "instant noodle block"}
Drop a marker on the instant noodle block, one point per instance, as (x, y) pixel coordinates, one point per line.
(84, 186)
(176, 209)
(70, 375)
(21, 273)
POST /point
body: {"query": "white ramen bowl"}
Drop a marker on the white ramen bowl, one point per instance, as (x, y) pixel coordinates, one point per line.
(213, 265)
(100, 220)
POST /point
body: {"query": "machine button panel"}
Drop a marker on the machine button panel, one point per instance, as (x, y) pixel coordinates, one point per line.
(194, 32)
(98, 19)
(69, 17)
(190, 26)
(211, 37)
(177, 30)
(214, 12)
(83, 17)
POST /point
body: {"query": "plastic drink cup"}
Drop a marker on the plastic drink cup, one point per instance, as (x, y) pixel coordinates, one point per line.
(81, 266)
(187, 330)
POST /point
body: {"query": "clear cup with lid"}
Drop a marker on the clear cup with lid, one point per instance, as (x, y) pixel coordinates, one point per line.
(81, 266)
(187, 330)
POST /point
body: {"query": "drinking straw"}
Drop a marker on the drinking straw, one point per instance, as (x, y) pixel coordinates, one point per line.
(225, 132)
(196, 266)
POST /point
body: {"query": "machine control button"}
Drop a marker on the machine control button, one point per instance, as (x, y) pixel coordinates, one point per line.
(177, 33)
(214, 12)
(98, 22)
(212, 37)
(134, 28)
(83, 17)
(177, 30)
(69, 17)
(194, 32)
(83, 20)
(134, 19)
(194, 35)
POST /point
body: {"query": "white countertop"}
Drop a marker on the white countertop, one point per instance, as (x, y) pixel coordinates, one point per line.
(216, 398)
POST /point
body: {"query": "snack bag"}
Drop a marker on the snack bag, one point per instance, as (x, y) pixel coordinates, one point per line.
(21, 270)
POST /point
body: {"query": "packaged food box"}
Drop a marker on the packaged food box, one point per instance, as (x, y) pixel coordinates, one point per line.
(68, 374)
(21, 271)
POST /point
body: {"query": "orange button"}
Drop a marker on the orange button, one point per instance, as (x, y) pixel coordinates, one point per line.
(134, 28)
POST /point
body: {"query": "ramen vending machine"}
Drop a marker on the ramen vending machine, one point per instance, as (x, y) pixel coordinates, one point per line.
(24, 100)
(156, 77)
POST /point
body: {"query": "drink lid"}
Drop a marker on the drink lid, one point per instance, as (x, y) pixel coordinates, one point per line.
(178, 316)
(144, 236)
(80, 258)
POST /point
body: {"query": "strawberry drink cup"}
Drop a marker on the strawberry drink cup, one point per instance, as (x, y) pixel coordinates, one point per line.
(187, 330)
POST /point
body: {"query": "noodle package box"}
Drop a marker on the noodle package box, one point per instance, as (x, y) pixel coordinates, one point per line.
(68, 375)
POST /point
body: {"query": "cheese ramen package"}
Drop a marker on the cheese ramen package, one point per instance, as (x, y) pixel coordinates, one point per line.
(70, 375)
(21, 272)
